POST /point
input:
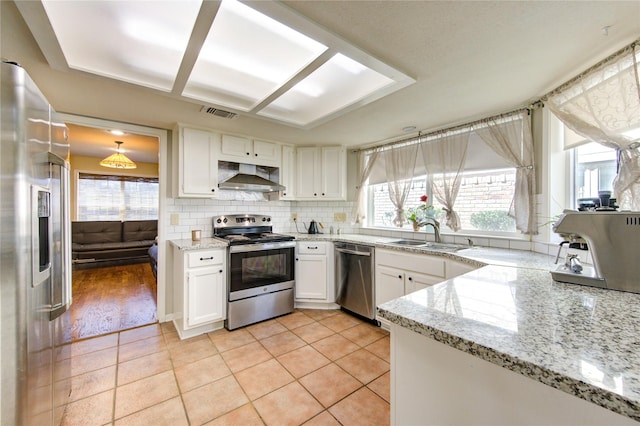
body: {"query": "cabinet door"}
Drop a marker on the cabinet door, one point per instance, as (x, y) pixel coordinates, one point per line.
(389, 284)
(237, 148)
(333, 173)
(198, 164)
(267, 153)
(311, 277)
(308, 173)
(415, 281)
(455, 268)
(205, 295)
(287, 172)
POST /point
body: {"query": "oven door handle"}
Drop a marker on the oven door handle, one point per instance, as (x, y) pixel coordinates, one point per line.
(261, 246)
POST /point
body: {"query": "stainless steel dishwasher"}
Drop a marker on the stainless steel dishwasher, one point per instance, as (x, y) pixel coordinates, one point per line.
(355, 290)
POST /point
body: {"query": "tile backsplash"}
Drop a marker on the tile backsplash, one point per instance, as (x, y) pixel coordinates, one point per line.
(189, 214)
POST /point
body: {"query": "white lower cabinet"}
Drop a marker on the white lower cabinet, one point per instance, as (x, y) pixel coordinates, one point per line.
(400, 273)
(199, 291)
(204, 287)
(314, 275)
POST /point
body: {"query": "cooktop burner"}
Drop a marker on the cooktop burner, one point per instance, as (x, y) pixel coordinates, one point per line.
(246, 229)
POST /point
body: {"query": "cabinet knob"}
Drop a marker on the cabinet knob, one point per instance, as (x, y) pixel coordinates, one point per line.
(410, 279)
(213, 190)
(323, 194)
(255, 155)
(400, 276)
(296, 259)
(284, 193)
(220, 271)
(315, 194)
(248, 153)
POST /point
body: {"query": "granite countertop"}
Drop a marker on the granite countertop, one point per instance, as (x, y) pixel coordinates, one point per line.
(476, 256)
(204, 243)
(581, 340)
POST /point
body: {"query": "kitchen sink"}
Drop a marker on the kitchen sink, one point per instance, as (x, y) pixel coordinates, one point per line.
(444, 246)
(407, 242)
(429, 245)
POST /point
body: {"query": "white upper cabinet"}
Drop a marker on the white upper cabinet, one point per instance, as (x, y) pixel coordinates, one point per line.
(197, 164)
(333, 171)
(321, 173)
(288, 172)
(243, 150)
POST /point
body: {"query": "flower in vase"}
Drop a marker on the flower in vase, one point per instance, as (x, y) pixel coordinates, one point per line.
(418, 215)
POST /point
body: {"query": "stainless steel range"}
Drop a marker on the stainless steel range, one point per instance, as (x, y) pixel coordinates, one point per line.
(261, 269)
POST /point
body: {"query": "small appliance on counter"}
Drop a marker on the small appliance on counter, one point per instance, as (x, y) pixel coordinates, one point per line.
(613, 239)
(313, 227)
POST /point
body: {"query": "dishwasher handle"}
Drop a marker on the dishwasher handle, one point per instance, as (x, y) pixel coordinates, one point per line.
(354, 252)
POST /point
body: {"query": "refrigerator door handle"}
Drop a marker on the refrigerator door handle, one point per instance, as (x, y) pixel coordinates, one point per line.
(61, 273)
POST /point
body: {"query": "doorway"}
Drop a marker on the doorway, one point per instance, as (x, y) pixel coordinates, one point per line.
(111, 295)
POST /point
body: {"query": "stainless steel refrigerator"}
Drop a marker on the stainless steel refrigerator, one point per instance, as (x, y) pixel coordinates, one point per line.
(35, 268)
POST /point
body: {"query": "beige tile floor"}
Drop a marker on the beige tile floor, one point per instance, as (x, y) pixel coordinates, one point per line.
(310, 367)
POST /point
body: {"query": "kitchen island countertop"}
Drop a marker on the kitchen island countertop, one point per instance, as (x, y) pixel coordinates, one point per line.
(581, 340)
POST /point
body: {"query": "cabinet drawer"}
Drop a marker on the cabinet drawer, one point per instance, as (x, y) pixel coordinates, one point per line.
(421, 263)
(312, 248)
(205, 258)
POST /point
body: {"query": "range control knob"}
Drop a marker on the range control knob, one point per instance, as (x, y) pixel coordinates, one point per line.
(264, 219)
(268, 219)
(219, 220)
(225, 220)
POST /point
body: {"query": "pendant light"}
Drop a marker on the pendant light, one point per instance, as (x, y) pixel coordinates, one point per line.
(118, 160)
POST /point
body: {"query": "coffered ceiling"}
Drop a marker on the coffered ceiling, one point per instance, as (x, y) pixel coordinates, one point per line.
(468, 59)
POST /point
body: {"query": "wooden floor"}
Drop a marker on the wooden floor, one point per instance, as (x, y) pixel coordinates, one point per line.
(111, 299)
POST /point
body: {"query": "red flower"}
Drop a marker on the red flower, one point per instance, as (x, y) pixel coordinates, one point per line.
(424, 198)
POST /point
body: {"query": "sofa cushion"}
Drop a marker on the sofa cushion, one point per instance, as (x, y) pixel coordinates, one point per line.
(139, 230)
(111, 246)
(96, 232)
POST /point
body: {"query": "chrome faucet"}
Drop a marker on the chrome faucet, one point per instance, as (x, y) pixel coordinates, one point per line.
(436, 229)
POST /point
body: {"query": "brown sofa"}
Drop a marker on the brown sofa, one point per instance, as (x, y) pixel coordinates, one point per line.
(112, 241)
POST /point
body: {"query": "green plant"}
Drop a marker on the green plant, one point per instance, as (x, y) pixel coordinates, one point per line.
(493, 220)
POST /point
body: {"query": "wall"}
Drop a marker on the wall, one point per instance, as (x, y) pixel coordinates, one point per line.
(91, 164)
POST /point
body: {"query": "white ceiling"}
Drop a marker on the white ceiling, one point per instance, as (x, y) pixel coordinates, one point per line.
(470, 59)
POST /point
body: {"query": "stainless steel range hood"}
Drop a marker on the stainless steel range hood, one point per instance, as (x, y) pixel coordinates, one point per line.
(248, 180)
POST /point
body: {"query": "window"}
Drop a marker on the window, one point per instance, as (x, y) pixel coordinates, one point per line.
(483, 202)
(594, 168)
(111, 197)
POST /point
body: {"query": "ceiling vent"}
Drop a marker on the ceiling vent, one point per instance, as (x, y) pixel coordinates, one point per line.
(219, 112)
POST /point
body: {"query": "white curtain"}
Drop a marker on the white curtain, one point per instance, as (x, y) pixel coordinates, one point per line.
(510, 137)
(399, 163)
(444, 157)
(603, 104)
(366, 161)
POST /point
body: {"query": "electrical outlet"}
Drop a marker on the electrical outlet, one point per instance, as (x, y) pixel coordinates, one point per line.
(174, 219)
(294, 216)
(340, 217)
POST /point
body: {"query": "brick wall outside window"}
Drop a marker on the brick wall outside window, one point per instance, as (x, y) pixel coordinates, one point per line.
(479, 191)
